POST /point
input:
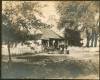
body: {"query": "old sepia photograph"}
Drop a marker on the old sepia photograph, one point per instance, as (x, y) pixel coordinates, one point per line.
(50, 40)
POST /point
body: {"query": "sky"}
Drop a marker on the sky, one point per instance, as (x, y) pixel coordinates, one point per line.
(51, 15)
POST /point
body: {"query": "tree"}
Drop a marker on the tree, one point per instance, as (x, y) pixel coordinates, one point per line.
(10, 36)
(74, 12)
(8, 33)
(16, 21)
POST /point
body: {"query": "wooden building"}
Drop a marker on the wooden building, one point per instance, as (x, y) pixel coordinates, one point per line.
(72, 37)
(50, 39)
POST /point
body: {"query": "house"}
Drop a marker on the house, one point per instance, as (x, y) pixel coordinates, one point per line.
(73, 37)
(48, 39)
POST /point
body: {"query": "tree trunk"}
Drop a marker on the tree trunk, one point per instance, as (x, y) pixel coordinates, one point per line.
(8, 46)
(88, 37)
(95, 42)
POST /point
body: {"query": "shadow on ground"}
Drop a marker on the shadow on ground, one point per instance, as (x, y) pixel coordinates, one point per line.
(49, 69)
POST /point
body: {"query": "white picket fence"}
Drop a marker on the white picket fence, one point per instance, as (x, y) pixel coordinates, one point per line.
(16, 50)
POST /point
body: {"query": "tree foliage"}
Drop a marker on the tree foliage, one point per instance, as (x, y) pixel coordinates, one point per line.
(77, 11)
(74, 14)
(19, 17)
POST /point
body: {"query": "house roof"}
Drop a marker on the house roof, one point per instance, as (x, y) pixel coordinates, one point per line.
(48, 33)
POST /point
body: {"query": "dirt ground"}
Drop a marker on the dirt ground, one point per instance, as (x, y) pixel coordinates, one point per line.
(80, 63)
